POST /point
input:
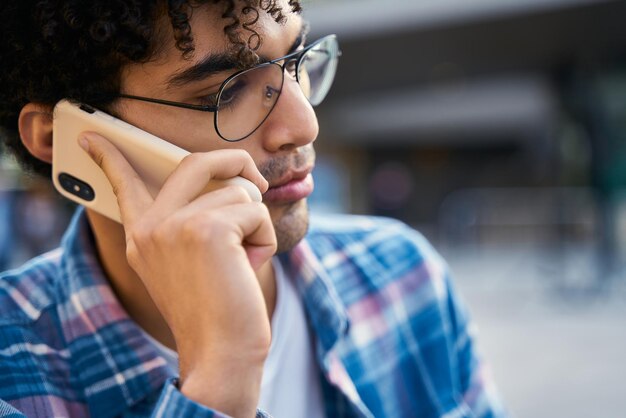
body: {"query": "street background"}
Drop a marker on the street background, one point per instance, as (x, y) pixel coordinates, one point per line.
(497, 129)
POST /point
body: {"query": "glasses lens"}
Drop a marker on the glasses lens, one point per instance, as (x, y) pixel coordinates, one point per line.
(317, 69)
(246, 100)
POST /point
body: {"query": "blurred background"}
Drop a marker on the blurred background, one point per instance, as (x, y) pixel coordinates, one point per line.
(498, 129)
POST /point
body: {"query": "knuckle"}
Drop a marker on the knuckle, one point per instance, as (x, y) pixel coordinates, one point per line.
(246, 156)
(161, 233)
(189, 228)
(118, 189)
(238, 192)
(202, 229)
(132, 252)
(192, 159)
(141, 234)
(239, 155)
(98, 158)
(194, 162)
(262, 208)
(122, 187)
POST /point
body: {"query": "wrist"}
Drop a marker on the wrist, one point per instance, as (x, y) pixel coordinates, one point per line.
(215, 352)
(230, 385)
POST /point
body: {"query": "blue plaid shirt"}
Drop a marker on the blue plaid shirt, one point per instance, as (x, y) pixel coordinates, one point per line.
(392, 338)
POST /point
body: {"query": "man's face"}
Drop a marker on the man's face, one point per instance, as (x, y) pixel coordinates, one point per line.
(281, 147)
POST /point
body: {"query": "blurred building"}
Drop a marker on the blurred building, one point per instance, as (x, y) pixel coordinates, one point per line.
(498, 129)
(449, 113)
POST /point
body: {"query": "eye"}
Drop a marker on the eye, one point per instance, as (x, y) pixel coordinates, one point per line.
(209, 100)
(290, 66)
(270, 92)
(231, 92)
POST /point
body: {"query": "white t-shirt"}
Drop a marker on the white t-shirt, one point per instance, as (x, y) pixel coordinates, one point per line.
(291, 377)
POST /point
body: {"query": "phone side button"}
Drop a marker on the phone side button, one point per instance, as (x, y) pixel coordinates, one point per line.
(87, 109)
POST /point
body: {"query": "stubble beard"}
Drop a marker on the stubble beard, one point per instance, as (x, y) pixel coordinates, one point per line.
(291, 225)
(291, 221)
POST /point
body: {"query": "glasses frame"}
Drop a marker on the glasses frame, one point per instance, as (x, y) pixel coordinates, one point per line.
(294, 56)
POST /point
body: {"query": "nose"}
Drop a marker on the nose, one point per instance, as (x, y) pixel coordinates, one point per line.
(292, 123)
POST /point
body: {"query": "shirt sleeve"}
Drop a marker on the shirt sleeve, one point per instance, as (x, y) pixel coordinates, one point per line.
(460, 377)
(173, 403)
(478, 389)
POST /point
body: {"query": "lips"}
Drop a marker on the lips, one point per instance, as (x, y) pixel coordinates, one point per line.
(294, 186)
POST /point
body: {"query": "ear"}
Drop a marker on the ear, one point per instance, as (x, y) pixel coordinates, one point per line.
(35, 126)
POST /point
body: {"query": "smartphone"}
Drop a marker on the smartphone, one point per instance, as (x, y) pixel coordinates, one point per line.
(77, 177)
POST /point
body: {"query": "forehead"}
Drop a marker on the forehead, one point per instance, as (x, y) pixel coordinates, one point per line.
(207, 25)
(209, 37)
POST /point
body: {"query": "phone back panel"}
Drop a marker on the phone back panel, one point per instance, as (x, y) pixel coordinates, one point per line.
(153, 158)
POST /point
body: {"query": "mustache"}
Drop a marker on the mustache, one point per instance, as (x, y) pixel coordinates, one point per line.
(276, 168)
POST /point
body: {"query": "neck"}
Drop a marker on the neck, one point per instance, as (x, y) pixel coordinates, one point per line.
(129, 289)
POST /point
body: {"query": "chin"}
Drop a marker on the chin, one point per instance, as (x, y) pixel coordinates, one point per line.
(291, 223)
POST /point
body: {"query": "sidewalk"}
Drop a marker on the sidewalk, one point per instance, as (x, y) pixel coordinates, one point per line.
(554, 353)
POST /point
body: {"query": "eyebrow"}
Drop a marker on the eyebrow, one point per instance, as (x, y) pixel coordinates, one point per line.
(216, 63)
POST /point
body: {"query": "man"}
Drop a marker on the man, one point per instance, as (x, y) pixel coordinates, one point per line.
(183, 310)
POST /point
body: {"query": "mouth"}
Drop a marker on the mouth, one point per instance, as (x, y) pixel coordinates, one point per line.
(293, 186)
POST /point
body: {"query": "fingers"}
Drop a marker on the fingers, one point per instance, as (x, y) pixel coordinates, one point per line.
(241, 224)
(132, 195)
(228, 209)
(195, 171)
(217, 215)
(182, 187)
(257, 232)
(226, 196)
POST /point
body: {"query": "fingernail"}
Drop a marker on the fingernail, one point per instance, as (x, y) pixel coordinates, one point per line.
(84, 143)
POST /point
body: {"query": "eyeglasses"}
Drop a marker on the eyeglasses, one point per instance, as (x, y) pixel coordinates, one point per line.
(245, 99)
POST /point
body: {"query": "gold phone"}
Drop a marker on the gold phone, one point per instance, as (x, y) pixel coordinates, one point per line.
(77, 177)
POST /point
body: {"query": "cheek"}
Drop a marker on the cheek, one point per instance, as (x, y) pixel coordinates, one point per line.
(191, 130)
(194, 134)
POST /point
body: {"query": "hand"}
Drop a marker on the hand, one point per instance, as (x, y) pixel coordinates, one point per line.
(197, 256)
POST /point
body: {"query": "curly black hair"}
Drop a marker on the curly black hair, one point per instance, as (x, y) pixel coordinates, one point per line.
(55, 49)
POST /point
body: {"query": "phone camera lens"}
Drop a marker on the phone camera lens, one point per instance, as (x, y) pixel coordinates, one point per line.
(76, 187)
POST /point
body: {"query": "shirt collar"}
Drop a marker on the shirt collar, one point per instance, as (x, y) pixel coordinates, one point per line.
(324, 307)
(98, 331)
(327, 314)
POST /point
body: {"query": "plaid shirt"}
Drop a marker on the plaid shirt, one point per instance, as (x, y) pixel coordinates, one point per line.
(392, 338)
